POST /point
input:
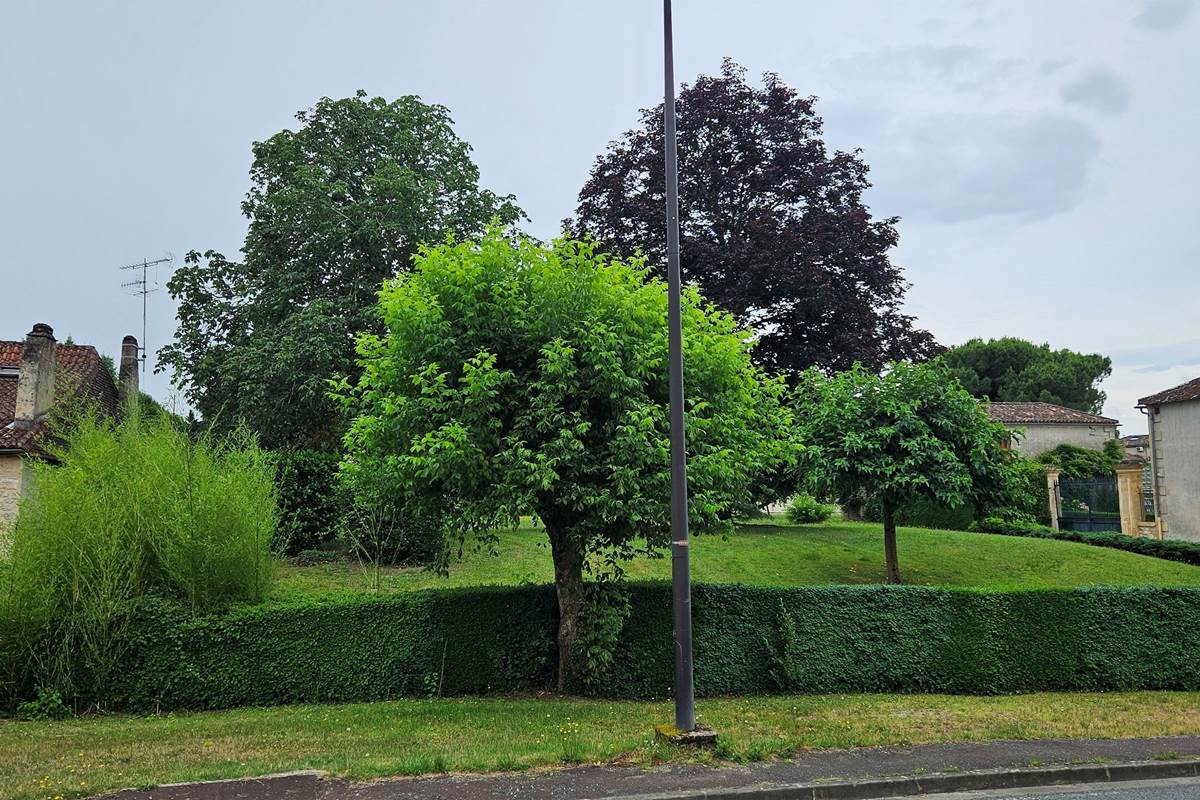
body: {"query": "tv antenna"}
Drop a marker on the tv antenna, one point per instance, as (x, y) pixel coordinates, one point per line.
(142, 286)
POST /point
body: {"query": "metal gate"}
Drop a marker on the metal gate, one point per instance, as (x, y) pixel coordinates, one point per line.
(1089, 505)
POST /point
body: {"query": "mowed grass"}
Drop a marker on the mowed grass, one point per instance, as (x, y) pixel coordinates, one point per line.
(774, 554)
(410, 737)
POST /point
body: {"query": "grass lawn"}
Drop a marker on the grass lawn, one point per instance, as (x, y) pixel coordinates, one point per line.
(409, 737)
(774, 554)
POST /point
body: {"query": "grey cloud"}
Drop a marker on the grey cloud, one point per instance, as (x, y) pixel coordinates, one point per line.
(957, 169)
(1160, 358)
(1164, 14)
(958, 67)
(1099, 90)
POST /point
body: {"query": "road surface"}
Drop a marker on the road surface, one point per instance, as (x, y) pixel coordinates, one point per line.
(1177, 789)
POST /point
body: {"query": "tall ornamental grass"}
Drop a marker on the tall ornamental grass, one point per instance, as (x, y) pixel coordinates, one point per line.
(130, 509)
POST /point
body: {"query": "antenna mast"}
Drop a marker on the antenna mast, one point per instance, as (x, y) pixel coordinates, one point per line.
(143, 288)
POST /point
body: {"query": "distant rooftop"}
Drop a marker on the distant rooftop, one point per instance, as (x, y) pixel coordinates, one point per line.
(1176, 394)
(1046, 413)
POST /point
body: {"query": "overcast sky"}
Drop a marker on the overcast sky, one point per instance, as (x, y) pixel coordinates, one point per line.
(1042, 155)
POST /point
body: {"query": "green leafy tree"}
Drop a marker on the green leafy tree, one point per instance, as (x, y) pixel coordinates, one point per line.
(335, 207)
(514, 378)
(1014, 369)
(908, 434)
(1080, 462)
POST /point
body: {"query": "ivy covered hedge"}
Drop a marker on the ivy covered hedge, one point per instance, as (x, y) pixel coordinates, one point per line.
(747, 640)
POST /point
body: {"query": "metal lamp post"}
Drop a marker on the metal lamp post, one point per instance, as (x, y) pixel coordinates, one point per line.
(685, 701)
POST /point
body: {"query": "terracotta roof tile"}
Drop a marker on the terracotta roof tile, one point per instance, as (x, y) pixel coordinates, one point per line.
(1035, 413)
(80, 372)
(1176, 394)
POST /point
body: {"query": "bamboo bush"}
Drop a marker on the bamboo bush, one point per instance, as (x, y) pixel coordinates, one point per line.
(124, 511)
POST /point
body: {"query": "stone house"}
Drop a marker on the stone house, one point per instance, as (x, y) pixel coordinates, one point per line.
(1137, 446)
(1038, 427)
(38, 374)
(1174, 418)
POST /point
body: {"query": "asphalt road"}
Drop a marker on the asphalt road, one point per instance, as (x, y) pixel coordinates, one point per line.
(1177, 789)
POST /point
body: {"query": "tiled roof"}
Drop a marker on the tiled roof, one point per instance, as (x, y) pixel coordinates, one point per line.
(1176, 394)
(80, 372)
(1034, 413)
(1136, 440)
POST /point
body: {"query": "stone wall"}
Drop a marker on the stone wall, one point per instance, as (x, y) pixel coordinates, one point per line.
(1175, 445)
(12, 478)
(1038, 438)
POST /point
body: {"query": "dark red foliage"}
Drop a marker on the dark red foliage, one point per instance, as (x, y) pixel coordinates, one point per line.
(773, 227)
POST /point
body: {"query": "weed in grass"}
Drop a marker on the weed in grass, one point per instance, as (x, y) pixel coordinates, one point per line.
(1168, 755)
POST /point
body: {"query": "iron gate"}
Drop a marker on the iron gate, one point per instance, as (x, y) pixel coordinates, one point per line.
(1089, 505)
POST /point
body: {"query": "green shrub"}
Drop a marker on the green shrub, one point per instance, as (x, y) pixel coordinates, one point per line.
(1166, 549)
(310, 505)
(1080, 462)
(925, 513)
(127, 511)
(47, 705)
(819, 639)
(805, 508)
(1029, 494)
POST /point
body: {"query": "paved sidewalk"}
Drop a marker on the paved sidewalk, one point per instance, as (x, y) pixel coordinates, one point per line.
(596, 783)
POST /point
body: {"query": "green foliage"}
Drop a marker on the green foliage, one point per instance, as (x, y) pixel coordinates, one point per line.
(1014, 369)
(805, 508)
(128, 510)
(910, 433)
(1029, 496)
(1166, 549)
(607, 610)
(48, 704)
(310, 506)
(516, 378)
(336, 206)
(1080, 462)
(749, 640)
(923, 512)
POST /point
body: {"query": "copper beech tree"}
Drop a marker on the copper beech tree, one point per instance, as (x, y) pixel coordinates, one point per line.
(513, 378)
(773, 225)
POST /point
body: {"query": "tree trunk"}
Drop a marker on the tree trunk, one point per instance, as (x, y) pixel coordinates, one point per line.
(889, 542)
(568, 583)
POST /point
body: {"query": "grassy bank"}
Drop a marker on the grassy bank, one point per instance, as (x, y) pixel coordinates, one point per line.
(409, 737)
(784, 555)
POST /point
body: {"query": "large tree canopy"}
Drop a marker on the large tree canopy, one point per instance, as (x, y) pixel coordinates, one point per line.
(773, 226)
(1016, 369)
(907, 434)
(335, 207)
(515, 379)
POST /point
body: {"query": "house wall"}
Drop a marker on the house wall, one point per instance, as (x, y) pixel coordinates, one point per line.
(1175, 445)
(13, 474)
(1040, 437)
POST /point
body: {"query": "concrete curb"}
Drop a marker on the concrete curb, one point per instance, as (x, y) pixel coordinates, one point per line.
(941, 783)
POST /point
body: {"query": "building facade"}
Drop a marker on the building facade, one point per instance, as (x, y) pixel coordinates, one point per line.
(1038, 427)
(1174, 418)
(38, 375)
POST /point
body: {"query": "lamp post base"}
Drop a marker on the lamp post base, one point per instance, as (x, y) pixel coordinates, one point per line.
(702, 736)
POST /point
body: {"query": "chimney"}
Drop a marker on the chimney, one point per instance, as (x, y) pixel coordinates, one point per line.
(127, 381)
(35, 383)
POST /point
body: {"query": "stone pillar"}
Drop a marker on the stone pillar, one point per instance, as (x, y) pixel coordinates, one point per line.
(1129, 493)
(1052, 474)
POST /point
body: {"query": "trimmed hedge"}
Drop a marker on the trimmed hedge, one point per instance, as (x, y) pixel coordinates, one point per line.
(1166, 549)
(747, 640)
